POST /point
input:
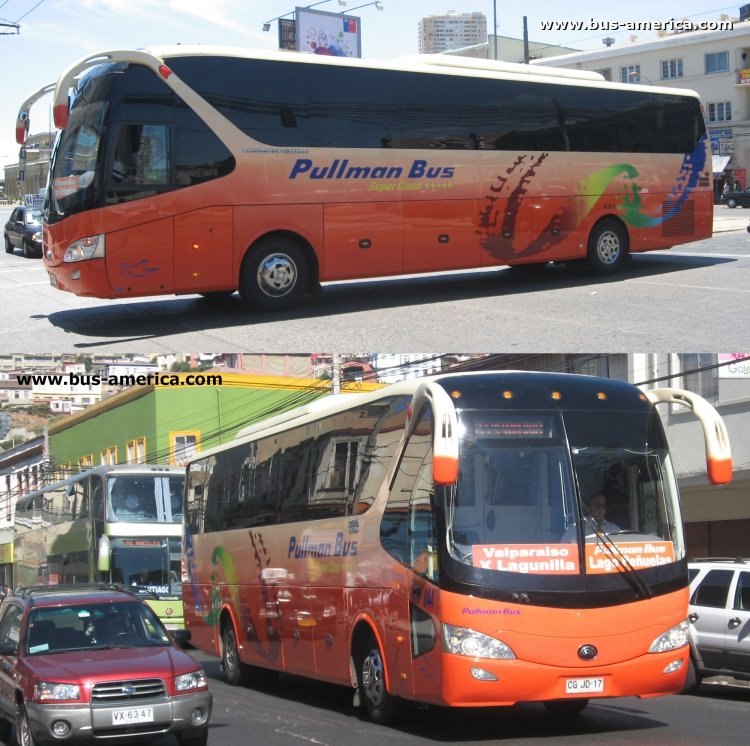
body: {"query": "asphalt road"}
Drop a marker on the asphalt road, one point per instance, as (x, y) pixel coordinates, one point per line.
(692, 297)
(300, 711)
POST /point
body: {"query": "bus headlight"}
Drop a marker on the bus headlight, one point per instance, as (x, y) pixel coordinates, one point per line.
(193, 680)
(676, 637)
(463, 641)
(91, 247)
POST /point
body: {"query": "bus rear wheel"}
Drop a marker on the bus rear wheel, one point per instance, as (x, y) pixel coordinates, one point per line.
(607, 247)
(275, 274)
(383, 708)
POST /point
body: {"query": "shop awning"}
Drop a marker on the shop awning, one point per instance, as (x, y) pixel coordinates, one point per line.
(720, 163)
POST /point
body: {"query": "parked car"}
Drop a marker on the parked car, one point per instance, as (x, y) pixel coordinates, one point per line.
(24, 231)
(719, 619)
(733, 199)
(88, 664)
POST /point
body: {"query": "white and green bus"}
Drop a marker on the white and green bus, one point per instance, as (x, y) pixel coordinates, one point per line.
(110, 524)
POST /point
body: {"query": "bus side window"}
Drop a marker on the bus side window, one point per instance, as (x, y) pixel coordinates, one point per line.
(142, 155)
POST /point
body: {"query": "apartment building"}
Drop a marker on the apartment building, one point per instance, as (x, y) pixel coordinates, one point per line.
(451, 30)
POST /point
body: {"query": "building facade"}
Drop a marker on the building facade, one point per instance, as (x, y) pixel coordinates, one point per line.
(715, 64)
(168, 422)
(451, 30)
(29, 175)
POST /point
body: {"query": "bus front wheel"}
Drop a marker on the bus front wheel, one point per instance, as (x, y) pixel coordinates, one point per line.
(275, 274)
(383, 708)
(607, 247)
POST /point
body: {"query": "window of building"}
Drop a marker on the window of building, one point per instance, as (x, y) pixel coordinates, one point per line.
(630, 74)
(605, 72)
(699, 374)
(86, 462)
(183, 446)
(135, 451)
(720, 111)
(717, 62)
(671, 69)
(109, 455)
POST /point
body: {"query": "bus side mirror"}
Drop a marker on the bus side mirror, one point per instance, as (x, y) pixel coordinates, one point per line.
(103, 557)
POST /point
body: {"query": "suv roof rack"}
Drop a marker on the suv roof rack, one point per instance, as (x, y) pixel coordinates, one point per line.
(737, 560)
(33, 590)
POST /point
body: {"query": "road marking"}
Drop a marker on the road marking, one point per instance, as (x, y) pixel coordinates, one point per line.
(22, 285)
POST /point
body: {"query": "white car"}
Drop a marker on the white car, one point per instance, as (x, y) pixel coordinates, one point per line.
(719, 619)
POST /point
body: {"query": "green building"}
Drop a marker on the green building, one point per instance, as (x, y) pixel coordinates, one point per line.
(168, 419)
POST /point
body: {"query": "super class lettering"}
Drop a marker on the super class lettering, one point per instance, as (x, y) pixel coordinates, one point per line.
(343, 169)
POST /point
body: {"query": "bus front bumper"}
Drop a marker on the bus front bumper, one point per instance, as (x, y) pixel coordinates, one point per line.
(475, 682)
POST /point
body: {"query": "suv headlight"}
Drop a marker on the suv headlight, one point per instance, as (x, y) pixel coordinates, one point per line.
(46, 691)
(676, 637)
(463, 641)
(194, 680)
(91, 247)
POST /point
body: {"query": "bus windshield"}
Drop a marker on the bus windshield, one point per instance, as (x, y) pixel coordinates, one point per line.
(73, 181)
(150, 563)
(565, 493)
(143, 498)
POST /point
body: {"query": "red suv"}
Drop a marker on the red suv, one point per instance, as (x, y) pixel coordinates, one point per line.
(90, 664)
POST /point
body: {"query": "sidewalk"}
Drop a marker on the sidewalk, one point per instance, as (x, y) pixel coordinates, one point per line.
(730, 220)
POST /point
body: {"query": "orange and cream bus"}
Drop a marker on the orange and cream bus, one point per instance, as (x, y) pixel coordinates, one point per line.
(210, 170)
(429, 542)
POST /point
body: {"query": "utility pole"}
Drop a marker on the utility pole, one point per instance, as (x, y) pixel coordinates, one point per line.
(494, 25)
(335, 373)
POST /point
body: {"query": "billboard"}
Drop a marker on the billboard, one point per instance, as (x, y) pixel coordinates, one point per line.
(332, 34)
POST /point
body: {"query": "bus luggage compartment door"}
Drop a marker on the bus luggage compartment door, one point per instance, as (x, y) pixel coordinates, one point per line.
(363, 240)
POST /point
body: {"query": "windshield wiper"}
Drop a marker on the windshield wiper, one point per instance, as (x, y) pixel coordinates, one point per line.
(622, 563)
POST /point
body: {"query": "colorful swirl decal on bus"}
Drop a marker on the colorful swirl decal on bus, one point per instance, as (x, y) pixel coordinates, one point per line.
(505, 214)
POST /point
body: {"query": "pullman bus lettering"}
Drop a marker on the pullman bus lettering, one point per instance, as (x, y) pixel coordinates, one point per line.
(342, 169)
(307, 548)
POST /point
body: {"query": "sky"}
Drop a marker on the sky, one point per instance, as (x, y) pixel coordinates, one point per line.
(55, 33)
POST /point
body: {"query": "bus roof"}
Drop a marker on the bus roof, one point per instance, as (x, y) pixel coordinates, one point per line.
(332, 404)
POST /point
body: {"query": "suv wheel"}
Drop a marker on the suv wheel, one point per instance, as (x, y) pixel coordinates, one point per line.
(24, 736)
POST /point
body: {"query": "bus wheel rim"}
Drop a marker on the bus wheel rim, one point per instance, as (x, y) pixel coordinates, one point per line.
(608, 248)
(373, 681)
(277, 275)
(230, 653)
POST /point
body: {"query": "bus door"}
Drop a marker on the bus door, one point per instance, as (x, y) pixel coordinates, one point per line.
(203, 250)
(362, 239)
(297, 629)
(409, 534)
